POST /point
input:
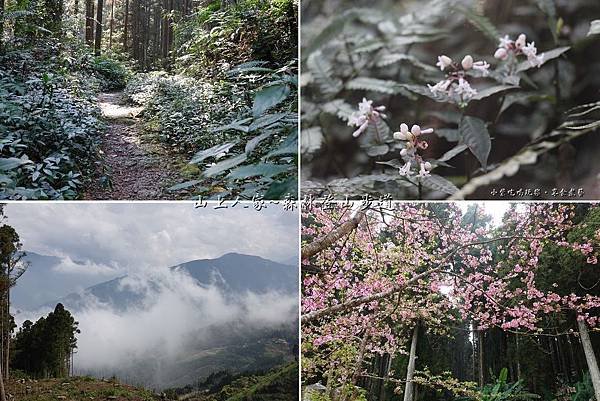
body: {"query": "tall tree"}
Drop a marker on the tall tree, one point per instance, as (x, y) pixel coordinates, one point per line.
(12, 267)
(126, 27)
(89, 22)
(112, 21)
(98, 41)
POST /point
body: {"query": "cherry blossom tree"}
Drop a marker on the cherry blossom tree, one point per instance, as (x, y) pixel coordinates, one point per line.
(368, 288)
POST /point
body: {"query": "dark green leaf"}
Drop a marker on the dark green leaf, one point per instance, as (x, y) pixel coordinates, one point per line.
(475, 135)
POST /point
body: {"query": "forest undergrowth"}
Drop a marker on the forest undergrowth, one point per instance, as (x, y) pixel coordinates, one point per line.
(214, 86)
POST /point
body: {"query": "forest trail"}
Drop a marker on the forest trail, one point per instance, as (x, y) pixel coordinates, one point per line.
(138, 168)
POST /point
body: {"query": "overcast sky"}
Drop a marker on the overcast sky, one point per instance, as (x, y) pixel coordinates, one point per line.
(125, 237)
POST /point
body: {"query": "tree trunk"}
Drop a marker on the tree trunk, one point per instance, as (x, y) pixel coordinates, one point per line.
(1, 25)
(590, 357)
(89, 22)
(126, 27)
(112, 20)
(480, 357)
(6, 356)
(517, 357)
(410, 370)
(386, 374)
(2, 393)
(98, 42)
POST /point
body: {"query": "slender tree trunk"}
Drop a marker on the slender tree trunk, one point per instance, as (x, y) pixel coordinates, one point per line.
(386, 374)
(7, 359)
(2, 393)
(112, 20)
(480, 357)
(590, 357)
(126, 27)
(98, 42)
(574, 362)
(410, 370)
(89, 22)
(518, 357)
(1, 25)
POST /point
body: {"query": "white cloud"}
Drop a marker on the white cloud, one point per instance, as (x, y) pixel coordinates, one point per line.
(136, 236)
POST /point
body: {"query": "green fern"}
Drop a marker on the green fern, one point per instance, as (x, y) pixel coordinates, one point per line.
(321, 70)
(480, 22)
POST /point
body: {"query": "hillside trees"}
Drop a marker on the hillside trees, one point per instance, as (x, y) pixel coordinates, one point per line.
(44, 348)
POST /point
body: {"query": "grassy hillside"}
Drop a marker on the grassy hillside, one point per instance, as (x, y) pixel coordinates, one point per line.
(278, 384)
(76, 389)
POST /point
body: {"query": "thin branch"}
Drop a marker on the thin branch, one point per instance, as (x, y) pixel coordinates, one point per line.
(321, 243)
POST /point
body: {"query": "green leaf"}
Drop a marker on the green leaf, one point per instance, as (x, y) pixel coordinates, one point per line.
(374, 85)
(322, 72)
(288, 147)
(475, 135)
(391, 58)
(225, 165)
(253, 143)
(279, 189)
(266, 120)
(449, 134)
(12, 163)
(482, 94)
(236, 125)
(377, 150)
(438, 183)
(549, 55)
(261, 169)
(458, 149)
(184, 185)
(594, 27)
(269, 97)
(311, 140)
(480, 22)
(215, 150)
(424, 91)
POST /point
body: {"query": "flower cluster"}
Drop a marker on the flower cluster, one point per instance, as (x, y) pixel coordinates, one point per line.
(508, 47)
(365, 115)
(455, 81)
(409, 153)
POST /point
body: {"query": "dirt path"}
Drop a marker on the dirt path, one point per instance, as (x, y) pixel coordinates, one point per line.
(138, 169)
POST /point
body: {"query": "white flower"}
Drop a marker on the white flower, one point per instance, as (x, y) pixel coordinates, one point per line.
(467, 62)
(520, 42)
(531, 52)
(482, 66)
(464, 89)
(443, 62)
(416, 130)
(403, 134)
(405, 170)
(501, 54)
(424, 169)
(537, 61)
(505, 42)
(366, 114)
(440, 87)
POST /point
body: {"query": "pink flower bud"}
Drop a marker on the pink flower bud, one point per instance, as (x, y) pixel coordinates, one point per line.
(501, 54)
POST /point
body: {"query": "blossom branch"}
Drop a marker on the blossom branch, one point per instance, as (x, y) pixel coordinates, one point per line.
(312, 316)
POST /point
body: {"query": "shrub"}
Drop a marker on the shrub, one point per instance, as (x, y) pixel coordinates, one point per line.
(112, 73)
(49, 126)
